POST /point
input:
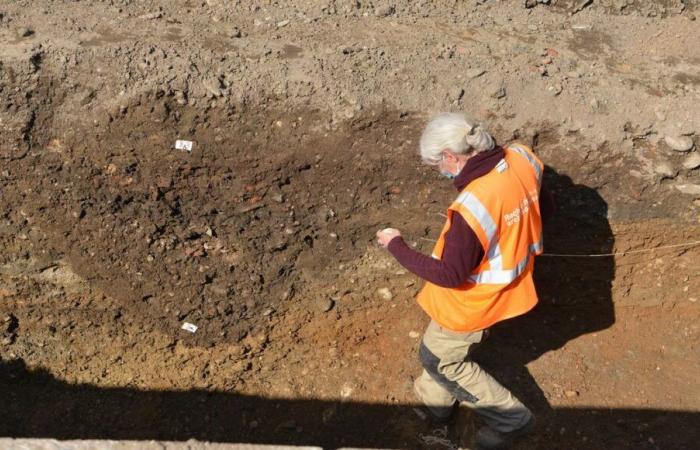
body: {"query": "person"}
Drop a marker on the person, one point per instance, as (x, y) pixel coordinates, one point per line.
(480, 271)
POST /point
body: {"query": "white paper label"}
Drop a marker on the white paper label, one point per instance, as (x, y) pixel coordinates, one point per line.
(184, 145)
(189, 327)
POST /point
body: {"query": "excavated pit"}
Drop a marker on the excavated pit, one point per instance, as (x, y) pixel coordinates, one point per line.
(263, 237)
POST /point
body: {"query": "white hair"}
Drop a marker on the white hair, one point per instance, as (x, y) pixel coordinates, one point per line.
(454, 132)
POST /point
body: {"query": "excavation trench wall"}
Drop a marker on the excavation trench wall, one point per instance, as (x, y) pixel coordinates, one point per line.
(271, 211)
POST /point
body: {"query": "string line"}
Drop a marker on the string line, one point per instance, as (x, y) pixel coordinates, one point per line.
(628, 252)
(601, 255)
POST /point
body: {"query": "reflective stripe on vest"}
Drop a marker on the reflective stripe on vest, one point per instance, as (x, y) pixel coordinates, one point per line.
(502, 209)
(501, 166)
(481, 214)
(521, 151)
(496, 274)
(507, 276)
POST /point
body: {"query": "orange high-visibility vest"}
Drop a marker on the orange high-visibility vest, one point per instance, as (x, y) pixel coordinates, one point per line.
(502, 207)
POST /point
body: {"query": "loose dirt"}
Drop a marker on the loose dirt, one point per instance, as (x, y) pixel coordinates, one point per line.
(305, 119)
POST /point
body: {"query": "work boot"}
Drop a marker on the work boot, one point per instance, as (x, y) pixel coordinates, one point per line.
(489, 439)
(427, 415)
(434, 415)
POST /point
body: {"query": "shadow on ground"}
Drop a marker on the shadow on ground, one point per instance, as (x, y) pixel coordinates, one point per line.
(575, 293)
(35, 404)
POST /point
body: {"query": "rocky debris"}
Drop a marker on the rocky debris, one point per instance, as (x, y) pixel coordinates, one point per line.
(384, 10)
(619, 5)
(475, 73)
(346, 390)
(679, 143)
(236, 32)
(25, 32)
(689, 189)
(339, 295)
(692, 161)
(498, 90)
(180, 97)
(279, 243)
(151, 16)
(324, 304)
(86, 97)
(581, 5)
(256, 342)
(9, 329)
(457, 94)
(385, 294)
(533, 3)
(10, 323)
(213, 86)
(665, 169)
(554, 89)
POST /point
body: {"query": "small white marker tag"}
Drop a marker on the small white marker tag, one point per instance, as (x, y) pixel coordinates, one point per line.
(189, 327)
(184, 145)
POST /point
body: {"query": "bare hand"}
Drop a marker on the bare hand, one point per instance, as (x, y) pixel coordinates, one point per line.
(386, 235)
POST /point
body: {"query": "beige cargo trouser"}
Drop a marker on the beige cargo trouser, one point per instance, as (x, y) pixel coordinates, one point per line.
(449, 376)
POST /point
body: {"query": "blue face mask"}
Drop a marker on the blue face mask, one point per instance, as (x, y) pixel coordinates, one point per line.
(445, 173)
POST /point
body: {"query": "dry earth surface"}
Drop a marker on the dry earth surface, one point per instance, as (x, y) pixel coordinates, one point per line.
(305, 117)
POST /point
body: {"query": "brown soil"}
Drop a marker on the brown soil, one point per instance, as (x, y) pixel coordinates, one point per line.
(262, 236)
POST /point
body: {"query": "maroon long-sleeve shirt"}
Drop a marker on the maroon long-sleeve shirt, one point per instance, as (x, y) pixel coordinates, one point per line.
(463, 251)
